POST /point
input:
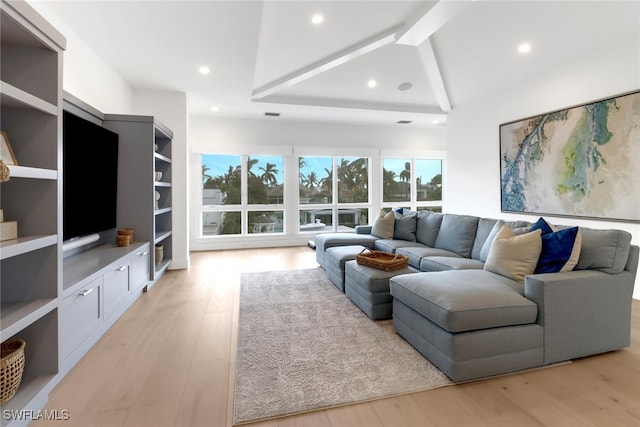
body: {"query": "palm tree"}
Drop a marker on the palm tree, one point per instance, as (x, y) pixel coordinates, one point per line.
(388, 184)
(269, 174)
(250, 164)
(327, 181)
(405, 175)
(312, 180)
(205, 176)
(302, 163)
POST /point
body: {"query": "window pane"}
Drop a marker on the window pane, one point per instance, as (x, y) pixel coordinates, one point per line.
(429, 180)
(396, 180)
(349, 218)
(265, 180)
(316, 220)
(265, 222)
(353, 180)
(315, 180)
(221, 180)
(217, 223)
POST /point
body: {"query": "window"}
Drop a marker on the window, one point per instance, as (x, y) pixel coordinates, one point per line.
(321, 181)
(412, 183)
(242, 194)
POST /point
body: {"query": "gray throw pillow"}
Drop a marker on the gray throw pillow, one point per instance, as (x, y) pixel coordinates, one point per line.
(484, 252)
(514, 256)
(427, 227)
(405, 226)
(384, 225)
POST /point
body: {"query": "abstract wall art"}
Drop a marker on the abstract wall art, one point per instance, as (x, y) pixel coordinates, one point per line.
(582, 161)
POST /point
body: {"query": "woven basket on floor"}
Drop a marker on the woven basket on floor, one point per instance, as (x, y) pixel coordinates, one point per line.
(382, 260)
(11, 368)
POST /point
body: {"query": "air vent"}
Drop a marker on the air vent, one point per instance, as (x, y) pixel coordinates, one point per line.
(272, 114)
(404, 122)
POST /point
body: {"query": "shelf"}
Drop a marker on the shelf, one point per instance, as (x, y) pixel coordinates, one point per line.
(161, 236)
(17, 316)
(23, 245)
(162, 184)
(162, 266)
(13, 97)
(161, 157)
(162, 211)
(29, 172)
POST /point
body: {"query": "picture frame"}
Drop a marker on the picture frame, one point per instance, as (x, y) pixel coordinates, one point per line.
(582, 161)
(6, 152)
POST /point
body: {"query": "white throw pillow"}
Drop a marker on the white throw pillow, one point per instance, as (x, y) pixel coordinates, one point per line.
(383, 227)
(514, 256)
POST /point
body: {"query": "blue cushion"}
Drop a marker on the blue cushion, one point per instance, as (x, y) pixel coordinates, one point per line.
(557, 248)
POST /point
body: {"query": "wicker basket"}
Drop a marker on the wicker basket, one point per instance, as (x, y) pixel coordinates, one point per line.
(382, 260)
(11, 368)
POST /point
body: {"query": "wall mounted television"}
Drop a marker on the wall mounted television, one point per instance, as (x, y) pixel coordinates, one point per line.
(89, 177)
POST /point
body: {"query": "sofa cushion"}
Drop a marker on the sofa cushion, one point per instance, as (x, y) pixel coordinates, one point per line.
(405, 225)
(465, 300)
(427, 227)
(514, 256)
(443, 263)
(560, 248)
(391, 245)
(417, 253)
(383, 227)
(457, 233)
(604, 250)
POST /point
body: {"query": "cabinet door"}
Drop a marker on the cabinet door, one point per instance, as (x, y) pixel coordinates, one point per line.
(80, 315)
(116, 288)
(140, 268)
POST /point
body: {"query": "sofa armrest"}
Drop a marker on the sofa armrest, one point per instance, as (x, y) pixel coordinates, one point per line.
(364, 229)
(582, 312)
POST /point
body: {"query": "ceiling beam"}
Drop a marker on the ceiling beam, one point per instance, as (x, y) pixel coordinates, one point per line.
(342, 57)
(430, 63)
(434, 19)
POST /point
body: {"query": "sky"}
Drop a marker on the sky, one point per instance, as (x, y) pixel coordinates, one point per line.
(218, 164)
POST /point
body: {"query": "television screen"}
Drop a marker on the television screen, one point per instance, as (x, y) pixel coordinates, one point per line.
(89, 177)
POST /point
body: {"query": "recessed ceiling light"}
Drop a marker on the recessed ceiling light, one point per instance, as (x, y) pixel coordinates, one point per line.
(524, 48)
(317, 19)
(435, 122)
(214, 109)
(204, 70)
(372, 83)
(405, 86)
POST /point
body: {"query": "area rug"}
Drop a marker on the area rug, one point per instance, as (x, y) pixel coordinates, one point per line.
(303, 345)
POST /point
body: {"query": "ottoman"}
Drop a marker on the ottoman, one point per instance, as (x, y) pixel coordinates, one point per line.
(368, 288)
(336, 258)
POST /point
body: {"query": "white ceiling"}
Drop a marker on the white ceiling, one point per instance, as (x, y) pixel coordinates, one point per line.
(267, 56)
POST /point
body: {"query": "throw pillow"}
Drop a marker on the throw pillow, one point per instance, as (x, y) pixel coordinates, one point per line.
(484, 252)
(514, 256)
(383, 227)
(560, 248)
(405, 226)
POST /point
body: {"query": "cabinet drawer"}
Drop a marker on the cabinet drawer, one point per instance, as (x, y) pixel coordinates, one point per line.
(140, 268)
(116, 288)
(80, 315)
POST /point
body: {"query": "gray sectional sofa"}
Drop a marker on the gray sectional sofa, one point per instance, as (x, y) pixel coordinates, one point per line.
(488, 297)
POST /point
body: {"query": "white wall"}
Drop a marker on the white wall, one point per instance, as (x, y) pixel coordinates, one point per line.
(86, 75)
(473, 140)
(170, 109)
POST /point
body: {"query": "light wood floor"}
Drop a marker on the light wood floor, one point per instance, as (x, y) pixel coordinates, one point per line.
(169, 361)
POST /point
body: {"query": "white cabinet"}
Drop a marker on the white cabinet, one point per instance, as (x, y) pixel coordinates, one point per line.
(30, 100)
(100, 284)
